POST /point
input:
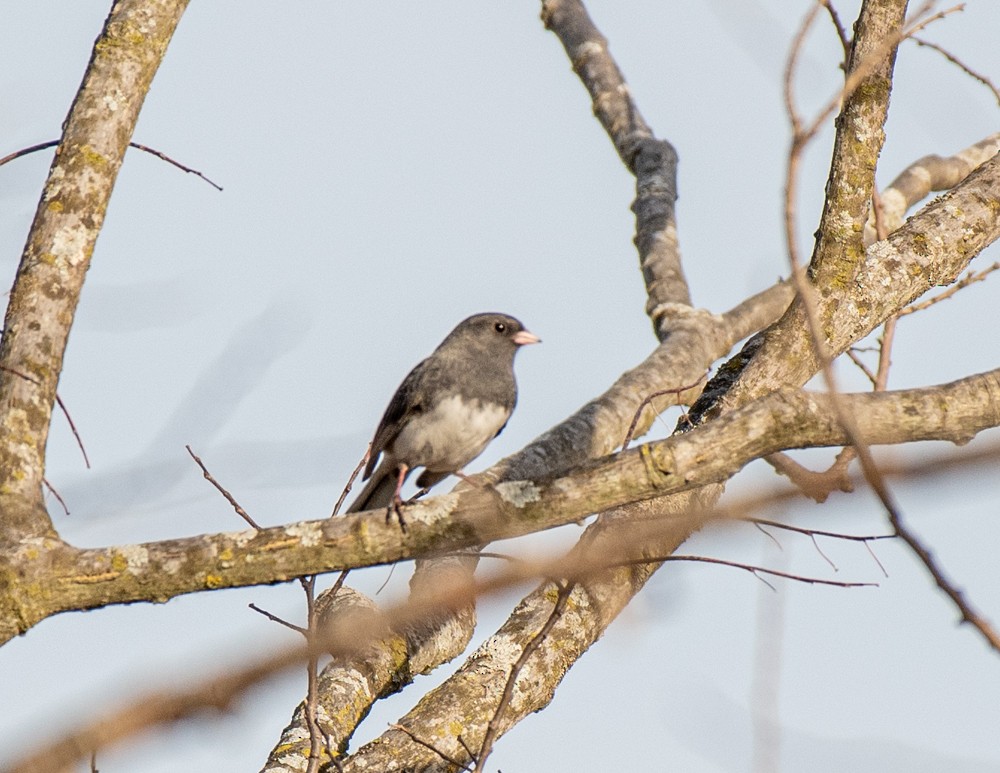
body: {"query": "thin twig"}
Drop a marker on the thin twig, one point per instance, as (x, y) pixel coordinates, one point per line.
(845, 41)
(889, 328)
(315, 733)
(820, 532)
(350, 481)
(756, 571)
(53, 492)
(169, 160)
(852, 353)
(814, 533)
(162, 156)
(338, 584)
(970, 278)
(229, 497)
(647, 400)
(432, 747)
(508, 691)
(960, 64)
(969, 615)
(62, 407)
(274, 618)
(27, 150)
(765, 532)
(72, 426)
(871, 552)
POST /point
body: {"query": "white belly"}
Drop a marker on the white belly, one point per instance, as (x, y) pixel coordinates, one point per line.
(450, 435)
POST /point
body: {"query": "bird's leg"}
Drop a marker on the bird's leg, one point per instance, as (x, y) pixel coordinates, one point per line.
(396, 503)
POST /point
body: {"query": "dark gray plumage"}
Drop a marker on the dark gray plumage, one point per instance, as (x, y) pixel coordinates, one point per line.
(447, 409)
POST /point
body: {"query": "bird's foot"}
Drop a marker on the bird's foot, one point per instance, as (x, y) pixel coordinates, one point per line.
(396, 507)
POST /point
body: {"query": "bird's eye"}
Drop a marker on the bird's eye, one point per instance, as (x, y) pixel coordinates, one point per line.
(500, 327)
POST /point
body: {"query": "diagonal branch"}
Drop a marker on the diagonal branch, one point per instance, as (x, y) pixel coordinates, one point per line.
(925, 176)
(651, 160)
(87, 578)
(61, 242)
(931, 249)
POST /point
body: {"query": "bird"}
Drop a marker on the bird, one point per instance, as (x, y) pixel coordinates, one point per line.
(446, 411)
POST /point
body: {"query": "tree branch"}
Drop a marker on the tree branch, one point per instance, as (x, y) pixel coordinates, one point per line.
(61, 241)
(651, 160)
(88, 578)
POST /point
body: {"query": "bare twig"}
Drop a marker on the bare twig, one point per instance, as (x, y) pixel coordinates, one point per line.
(62, 407)
(160, 155)
(338, 584)
(432, 747)
(820, 532)
(970, 278)
(960, 64)
(508, 691)
(647, 400)
(72, 426)
(28, 150)
(315, 733)
(969, 615)
(350, 481)
(756, 571)
(229, 497)
(280, 621)
(852, 353)
(53, 492)
(889, 328)
(845, 41)
(814, 533)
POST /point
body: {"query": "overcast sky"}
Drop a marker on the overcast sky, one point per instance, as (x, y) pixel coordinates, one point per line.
(389, 168)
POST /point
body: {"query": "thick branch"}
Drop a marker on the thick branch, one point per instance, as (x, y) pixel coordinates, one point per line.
(931, 249)
(860, 135)
(70, 578)
(348, 686)
(696, 339)
(925, 176)
(651, 160)
(59, 247)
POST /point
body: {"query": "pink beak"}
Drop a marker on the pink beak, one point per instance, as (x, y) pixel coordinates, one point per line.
(524, 337)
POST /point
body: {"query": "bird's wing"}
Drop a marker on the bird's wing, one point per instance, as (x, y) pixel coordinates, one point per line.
(403, 405)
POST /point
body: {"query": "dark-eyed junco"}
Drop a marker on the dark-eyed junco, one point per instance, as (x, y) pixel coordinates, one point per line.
(447, 409)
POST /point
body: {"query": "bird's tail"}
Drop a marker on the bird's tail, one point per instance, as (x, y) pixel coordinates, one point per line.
(377, 492)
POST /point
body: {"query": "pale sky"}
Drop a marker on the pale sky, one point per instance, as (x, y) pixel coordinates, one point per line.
(388, 169)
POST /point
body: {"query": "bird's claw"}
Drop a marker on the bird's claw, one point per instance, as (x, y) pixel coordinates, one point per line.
(396, 507)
